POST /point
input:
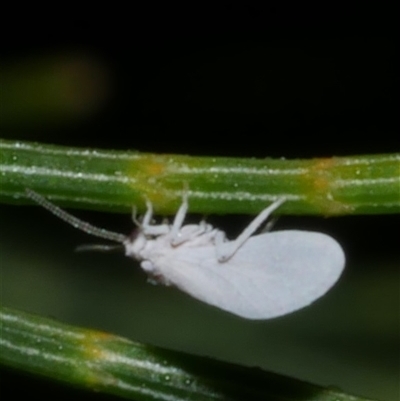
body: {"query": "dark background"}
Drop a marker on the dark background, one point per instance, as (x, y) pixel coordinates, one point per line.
(252, 81)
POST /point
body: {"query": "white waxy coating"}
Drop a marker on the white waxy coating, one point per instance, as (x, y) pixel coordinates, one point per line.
(268, 275)
(255, 276)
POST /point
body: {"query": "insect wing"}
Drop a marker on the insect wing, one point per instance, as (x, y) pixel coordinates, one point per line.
(271, 275)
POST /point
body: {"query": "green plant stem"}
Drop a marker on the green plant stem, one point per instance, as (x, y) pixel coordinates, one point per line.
(116, 180)
(106, 363)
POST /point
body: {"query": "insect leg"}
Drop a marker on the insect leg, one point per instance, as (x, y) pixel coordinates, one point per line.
(148, 216)
(148, 228)
(179, 218)
(225, 250)
(269, 225)
(136, 222)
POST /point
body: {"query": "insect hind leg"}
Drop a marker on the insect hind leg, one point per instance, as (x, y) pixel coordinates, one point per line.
(225, 250)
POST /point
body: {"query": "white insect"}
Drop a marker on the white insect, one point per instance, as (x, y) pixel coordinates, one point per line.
(256, 277)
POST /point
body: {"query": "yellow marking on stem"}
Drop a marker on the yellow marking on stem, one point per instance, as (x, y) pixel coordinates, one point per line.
(150, 173)
(154, 167)
(321, 177)
(92, 343)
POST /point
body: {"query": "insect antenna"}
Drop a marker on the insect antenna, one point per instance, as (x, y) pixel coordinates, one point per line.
(74, 221)
(99, 248)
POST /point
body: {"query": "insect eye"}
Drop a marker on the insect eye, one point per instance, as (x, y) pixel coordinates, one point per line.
(134, 234)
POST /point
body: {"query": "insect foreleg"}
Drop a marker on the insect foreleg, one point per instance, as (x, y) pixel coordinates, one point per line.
(149, 229)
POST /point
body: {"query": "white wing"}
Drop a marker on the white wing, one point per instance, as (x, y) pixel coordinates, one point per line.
(271, 275)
